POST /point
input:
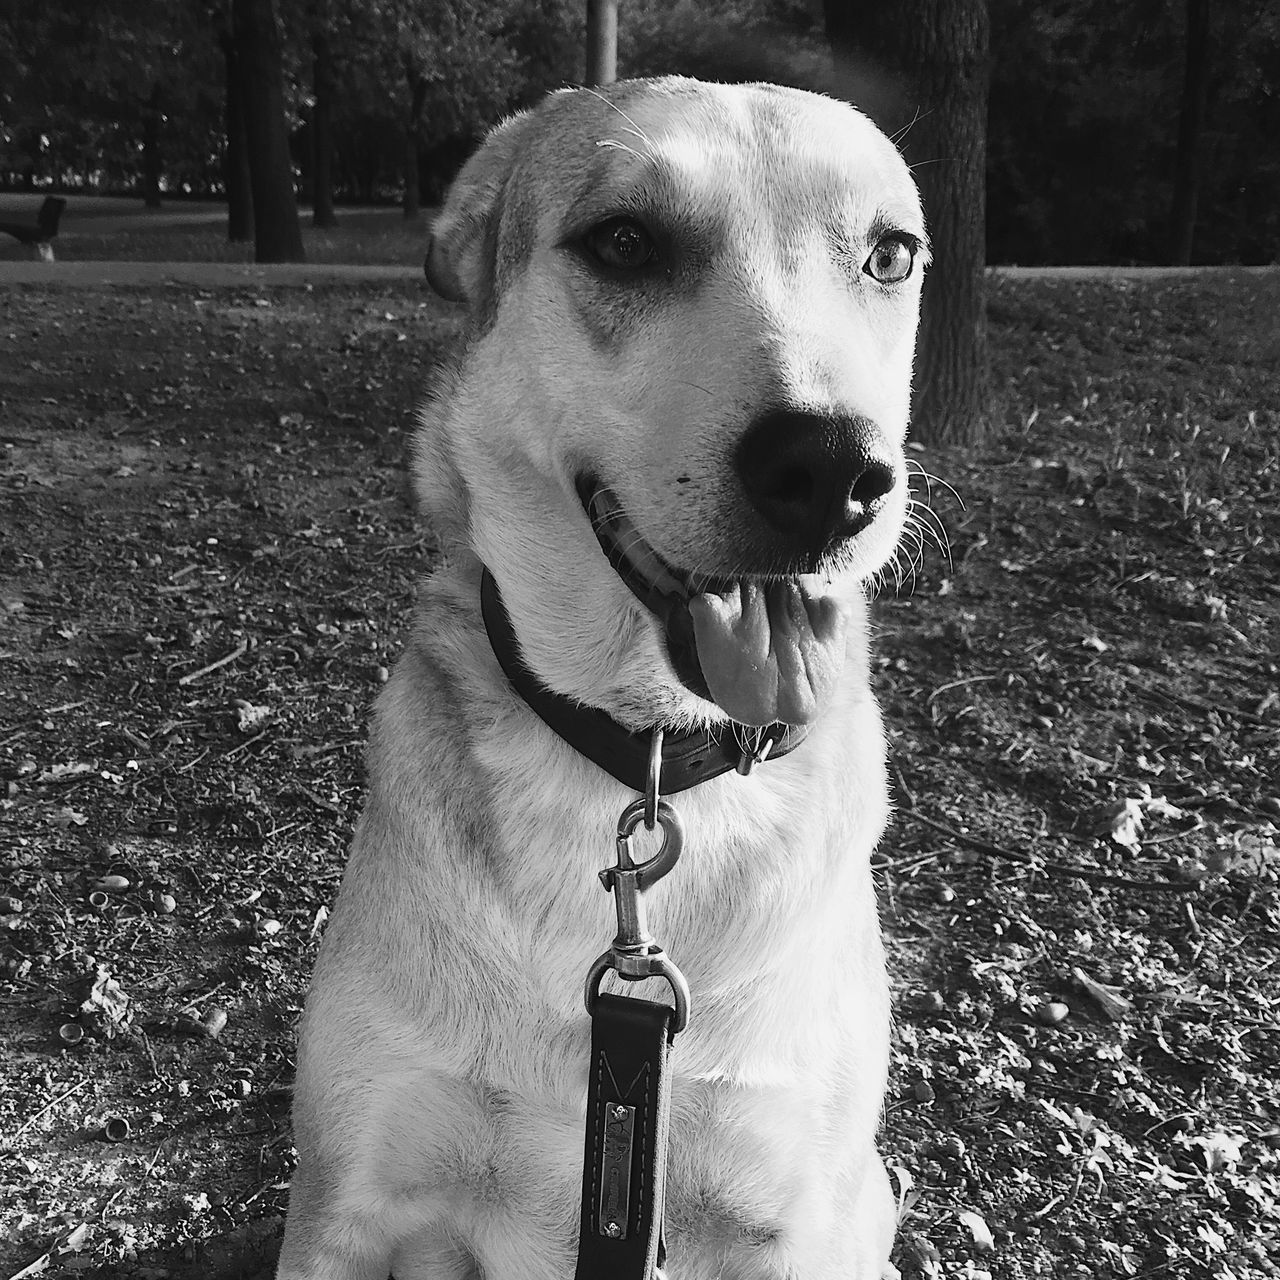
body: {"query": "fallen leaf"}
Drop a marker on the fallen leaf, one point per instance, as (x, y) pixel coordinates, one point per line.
(104, 1004)
(62, 772)
(983, 1240)
(1221, 1150)
(1108, 999)
(1123, 824)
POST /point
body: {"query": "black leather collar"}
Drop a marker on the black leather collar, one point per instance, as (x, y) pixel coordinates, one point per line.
(687, 758)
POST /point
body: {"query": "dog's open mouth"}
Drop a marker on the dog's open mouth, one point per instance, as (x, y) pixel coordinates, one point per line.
(765, 649)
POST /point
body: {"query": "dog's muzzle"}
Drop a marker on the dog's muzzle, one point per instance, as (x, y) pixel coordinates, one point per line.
(765, 650)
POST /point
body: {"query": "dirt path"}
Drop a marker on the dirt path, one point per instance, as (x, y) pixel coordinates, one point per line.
(204, 275)
(214, 274)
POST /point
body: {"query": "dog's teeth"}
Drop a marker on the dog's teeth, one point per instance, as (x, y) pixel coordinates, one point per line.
(604, 506)
(607, 513)
(641, 556)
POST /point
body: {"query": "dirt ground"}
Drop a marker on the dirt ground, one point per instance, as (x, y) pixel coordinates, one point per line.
(206, 562)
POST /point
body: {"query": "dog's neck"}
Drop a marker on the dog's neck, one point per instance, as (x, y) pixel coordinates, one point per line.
(688, 757)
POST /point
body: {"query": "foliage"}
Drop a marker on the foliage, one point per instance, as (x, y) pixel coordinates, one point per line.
(729, 40)
(1084, 109)
(84, 76)
(1084, 99)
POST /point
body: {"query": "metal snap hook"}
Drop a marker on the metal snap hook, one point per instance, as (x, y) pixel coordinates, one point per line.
(647, 873)
(634, 954)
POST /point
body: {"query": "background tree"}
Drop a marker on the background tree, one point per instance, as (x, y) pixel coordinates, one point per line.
(930, 60)
(1195, 86)
(277, 236)
(602, 41)
(237, 183)
(323, 78)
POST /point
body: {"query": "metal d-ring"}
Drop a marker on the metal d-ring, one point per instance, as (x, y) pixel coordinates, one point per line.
(659, 965)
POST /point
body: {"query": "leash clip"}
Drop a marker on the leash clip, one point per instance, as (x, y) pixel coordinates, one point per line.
(634, 955)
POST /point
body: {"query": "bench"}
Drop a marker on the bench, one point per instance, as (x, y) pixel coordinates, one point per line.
(38, 234)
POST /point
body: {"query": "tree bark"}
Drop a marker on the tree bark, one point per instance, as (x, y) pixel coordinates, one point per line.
(602, 41)
(924, 66)
(235, 156)
(151, 162)
(412, 200)
(277, 237)
(1186, 180)
(322, 214)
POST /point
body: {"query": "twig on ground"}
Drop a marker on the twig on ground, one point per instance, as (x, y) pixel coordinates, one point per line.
(238, 652)
(244, 746)
(30, 1120)
(956, 684)
(1048, 864)
(320, 800)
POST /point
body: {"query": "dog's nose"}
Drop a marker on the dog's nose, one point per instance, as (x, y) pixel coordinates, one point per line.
(815, 479)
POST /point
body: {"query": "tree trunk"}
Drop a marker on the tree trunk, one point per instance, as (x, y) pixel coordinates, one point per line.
(277, 237)
(1186, 181)
(322, 214)
(151, 164)
(602, 41)
(413, 141)
(925, 66)
(235, 156)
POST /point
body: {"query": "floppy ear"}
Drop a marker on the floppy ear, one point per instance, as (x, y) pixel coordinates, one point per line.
(461, 257)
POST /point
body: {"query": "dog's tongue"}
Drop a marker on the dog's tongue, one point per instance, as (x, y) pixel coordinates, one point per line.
(772, 651)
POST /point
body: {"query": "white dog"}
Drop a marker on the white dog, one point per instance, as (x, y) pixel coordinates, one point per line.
(674, 439)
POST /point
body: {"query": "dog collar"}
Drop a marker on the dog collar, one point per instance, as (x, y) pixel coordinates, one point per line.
(687, 758)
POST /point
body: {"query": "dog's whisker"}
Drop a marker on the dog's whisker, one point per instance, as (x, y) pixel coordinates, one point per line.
(615, 145)
(929, 523)
(897, 137)
(635, 129)
(930, 480)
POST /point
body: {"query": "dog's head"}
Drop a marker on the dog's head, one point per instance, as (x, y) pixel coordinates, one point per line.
(676, 435)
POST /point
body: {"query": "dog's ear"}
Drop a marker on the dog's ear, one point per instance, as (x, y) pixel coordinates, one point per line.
(462, 256)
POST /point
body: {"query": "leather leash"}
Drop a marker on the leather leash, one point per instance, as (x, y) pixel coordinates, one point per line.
(628, 1094)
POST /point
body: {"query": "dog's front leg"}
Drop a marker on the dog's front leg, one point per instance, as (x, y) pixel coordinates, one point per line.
(324, 1242)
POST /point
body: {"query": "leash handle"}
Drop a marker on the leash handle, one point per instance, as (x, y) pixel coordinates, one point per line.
(625, 1155)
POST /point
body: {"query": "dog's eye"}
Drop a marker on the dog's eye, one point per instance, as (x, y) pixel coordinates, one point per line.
(891, 260)
(622, 244)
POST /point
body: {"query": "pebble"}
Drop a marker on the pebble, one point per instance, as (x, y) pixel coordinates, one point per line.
(932, 1002)
(1052, 1012)
(213, 1022)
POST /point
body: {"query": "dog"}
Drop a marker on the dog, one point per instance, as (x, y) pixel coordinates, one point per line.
(674, 440)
